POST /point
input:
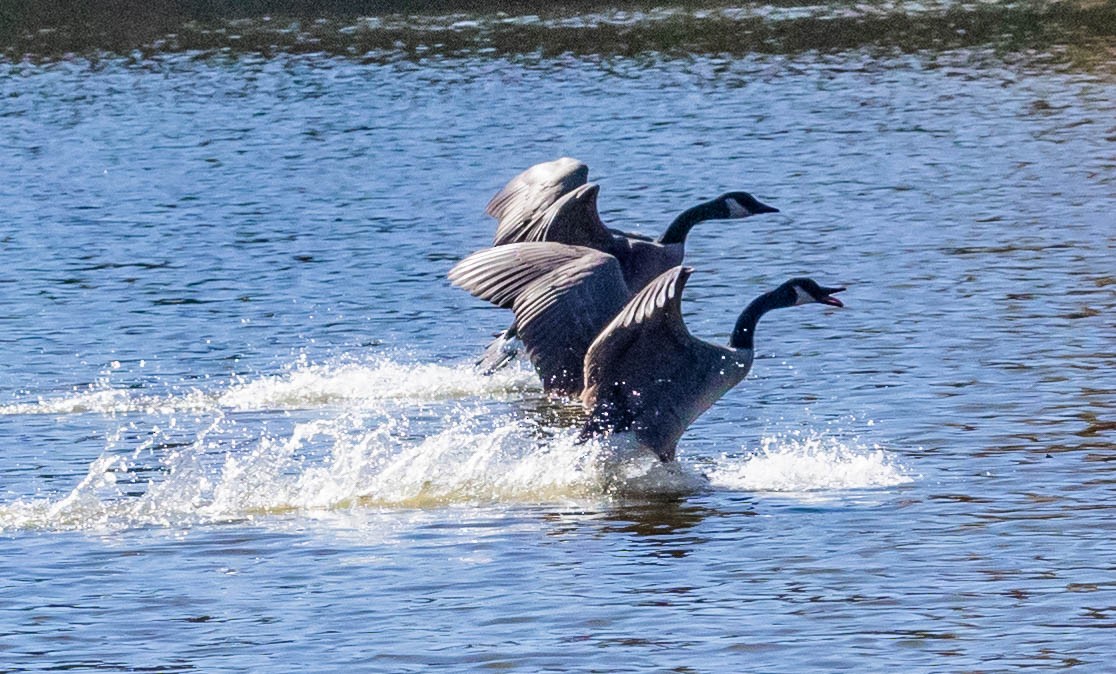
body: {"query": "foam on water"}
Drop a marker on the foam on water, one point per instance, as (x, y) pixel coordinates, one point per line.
(382, 435)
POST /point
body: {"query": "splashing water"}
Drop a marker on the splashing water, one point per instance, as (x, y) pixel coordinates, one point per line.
(808, 462)
(342, 463)
(383, 435)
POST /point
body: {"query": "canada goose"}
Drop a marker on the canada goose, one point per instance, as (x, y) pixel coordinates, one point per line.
(553, 201)
(647, 375)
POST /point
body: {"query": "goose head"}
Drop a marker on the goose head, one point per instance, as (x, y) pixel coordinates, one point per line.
(741, 205)
(792, 293)
(807, 290)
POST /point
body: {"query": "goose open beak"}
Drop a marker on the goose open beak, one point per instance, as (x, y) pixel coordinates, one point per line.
(828, 298)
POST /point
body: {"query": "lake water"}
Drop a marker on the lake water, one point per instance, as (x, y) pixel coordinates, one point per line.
(240, 431)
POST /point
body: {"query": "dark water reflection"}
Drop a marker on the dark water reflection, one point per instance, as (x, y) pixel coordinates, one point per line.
(1078, 33)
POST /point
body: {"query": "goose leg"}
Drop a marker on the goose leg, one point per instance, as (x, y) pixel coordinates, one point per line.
(500, 351)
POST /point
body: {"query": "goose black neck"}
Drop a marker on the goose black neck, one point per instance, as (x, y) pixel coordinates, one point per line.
(743, 335)
(677, 231)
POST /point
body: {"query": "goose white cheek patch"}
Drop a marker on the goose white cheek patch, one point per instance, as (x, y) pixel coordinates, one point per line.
(803, 296)
(736, 209)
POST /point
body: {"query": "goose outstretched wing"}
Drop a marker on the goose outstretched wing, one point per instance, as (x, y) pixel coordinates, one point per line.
(572, 219)
(646, 373)
(500, 274)
(528, 195)
(560, 314)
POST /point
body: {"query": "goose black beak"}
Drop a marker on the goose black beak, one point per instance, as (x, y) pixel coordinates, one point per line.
(827, 297)
(763, 208)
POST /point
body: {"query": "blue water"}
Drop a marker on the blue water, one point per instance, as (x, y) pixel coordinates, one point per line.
(239, 430)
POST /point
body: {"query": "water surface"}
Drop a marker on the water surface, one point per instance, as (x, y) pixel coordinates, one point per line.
(240, 430)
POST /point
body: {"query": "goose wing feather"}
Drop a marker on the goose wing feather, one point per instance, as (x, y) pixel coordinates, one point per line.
(651, 320)
(500, 274)
(573, 219)
(559, 316)
(646, 372)
(528, 195)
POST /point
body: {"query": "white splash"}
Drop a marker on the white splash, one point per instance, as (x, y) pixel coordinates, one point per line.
(383, 434)
(808, 462)
(329, 464)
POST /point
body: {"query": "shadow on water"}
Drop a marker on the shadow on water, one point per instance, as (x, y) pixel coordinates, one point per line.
(660, 518)
(1076, 33)
(658, 528)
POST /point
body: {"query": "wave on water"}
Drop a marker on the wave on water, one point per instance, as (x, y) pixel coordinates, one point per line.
(382, 435)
